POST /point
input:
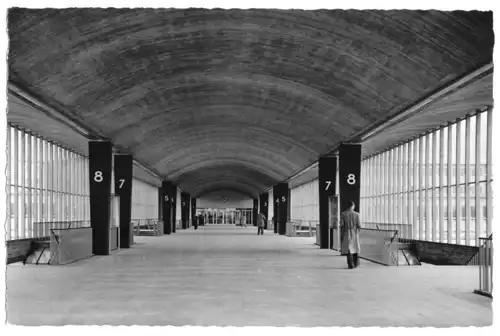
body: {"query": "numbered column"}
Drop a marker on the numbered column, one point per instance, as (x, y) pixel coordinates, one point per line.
(100, 158)
(282, 207)
(327, 170)
(264, 206)
(349, 175)
(193, 213)
(184, 210)
(166, 204)
(173, 198)
(276, 201)
(123, 188)
(255, 211)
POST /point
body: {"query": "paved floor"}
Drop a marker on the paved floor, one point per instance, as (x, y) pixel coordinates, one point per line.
(229, 276)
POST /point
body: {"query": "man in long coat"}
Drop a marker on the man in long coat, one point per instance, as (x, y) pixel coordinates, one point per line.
(261, 223)
(349, 235)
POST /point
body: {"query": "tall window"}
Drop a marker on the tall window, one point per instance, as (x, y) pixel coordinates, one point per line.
(144, 200)
(442, 184)
(47, 183)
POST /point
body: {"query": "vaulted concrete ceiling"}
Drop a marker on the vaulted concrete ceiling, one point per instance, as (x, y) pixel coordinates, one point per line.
(238, 99)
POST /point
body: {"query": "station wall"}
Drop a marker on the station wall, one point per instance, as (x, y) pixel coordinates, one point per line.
(305, 201)
(144, 200)
(224, 199)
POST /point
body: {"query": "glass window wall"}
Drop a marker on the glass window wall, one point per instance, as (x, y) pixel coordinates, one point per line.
(47, 183)
(437, 187)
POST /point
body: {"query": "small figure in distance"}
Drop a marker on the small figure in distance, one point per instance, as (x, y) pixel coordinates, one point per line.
(261, 222)
(243, 221)
(349, 235)
(195, 222)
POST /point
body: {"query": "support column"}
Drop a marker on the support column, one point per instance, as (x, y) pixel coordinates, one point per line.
(275, 207)
(166, 204)
(255, 211)
(264, 199)
(289, 204)
(184, 210)
(100, 162)
(173, 198)
(327, 170)
(349, 175)
(160, 206)
(282, 204)
(193, 213)
(123, 188)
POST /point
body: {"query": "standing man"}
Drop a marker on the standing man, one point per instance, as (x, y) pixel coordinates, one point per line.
(261, 222)
(349, 235)
(195, 222)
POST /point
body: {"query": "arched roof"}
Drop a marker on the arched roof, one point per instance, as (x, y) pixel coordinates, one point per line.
(238, 98)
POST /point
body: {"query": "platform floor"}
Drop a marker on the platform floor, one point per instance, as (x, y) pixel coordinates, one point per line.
(229, 276)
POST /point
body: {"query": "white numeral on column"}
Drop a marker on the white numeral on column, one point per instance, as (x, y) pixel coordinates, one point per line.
(98, 176)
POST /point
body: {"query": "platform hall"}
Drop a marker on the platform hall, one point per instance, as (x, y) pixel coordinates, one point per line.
(148, 149)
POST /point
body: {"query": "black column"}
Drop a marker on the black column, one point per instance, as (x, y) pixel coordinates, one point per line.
(255, 211)
(327, 171)
(193, 212)
(283, 210)
(100, 161)
(184, 209)
(349, 174)
(289, 204)
(123, 188)
(188, 211)
(264, 199)
(166, 204)
(275, 208)
(160, 206)
(173, 198)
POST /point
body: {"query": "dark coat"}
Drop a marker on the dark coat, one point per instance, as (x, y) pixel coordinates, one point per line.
(261, 220)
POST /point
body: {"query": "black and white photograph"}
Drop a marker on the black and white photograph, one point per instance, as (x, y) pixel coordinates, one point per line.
(193, 165)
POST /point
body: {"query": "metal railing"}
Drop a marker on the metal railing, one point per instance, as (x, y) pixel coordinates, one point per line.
(405, 231)
(43, 229)
(147, 226)
(377, 245)
(485, 267)
(297, 226)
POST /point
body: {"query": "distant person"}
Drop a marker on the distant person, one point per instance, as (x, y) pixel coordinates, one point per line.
(201, 220)
(349, 235)
(261, 223)
(243, 222)
(195, 222)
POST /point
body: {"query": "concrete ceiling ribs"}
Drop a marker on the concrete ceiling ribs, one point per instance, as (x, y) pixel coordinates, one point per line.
(238, 99)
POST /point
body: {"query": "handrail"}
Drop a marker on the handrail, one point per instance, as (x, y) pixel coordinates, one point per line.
(486, 267)
(148, 226)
